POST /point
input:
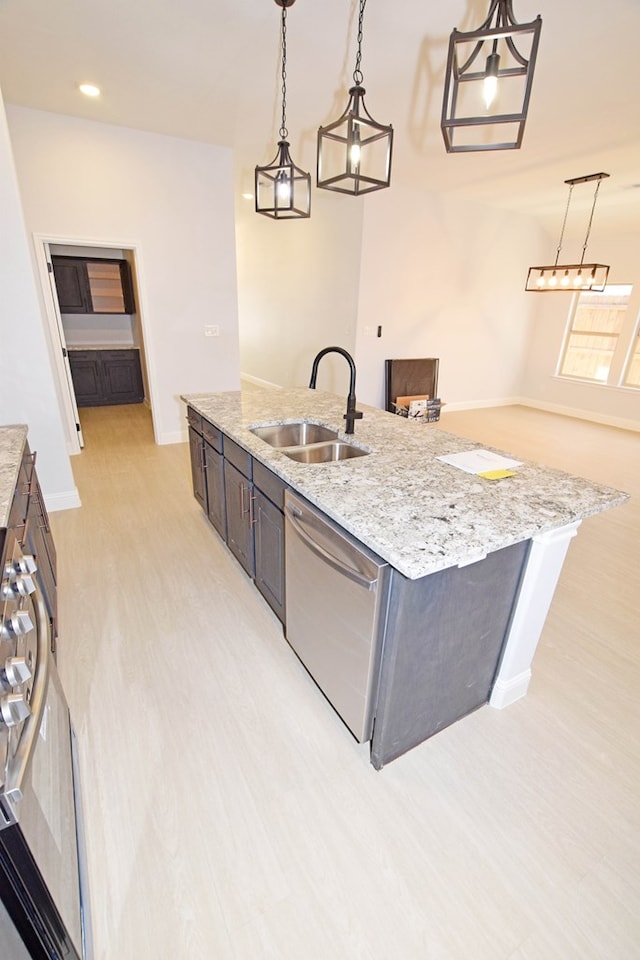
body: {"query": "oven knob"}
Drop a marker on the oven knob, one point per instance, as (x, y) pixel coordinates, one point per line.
(26, 564)
(13, 709)
(21, 586)
(16, 625)
(17, 671)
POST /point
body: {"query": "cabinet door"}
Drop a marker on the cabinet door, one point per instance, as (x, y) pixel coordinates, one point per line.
(196, 451)
(87, 378)
(237, 491)
(41, 545)
(269, 553)
(122, 376)
(214, 476)
(71, 285)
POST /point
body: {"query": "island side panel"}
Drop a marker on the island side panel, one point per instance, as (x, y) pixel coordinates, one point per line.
(443, 642)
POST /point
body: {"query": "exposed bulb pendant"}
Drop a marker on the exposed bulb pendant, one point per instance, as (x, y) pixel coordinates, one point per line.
(490, 83)
(486, 109)
(354, 152)
(571, 276)
(283, 190)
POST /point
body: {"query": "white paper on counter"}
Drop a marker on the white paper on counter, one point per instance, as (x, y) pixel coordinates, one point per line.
(479, 461)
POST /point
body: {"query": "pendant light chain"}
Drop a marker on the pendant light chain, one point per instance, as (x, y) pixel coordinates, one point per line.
(586, 239)
(564, 223)
(357, 73)
(283, 129)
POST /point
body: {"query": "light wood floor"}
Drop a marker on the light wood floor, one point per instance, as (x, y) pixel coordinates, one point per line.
(231, 816)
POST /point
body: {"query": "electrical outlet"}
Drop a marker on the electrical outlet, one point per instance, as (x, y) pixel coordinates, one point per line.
(212, 331)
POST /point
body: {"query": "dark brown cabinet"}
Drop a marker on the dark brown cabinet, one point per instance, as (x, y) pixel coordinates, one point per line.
(196, 453)
(102, 377)
(243, 500)
(238, 491)
(93, 285)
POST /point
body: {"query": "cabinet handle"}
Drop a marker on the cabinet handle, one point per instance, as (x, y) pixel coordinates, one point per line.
(252, 518)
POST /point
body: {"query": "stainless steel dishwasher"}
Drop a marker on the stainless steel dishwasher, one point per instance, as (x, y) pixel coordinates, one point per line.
(336, 599)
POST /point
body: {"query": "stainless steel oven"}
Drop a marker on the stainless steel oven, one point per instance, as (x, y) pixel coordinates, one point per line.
(42, 891)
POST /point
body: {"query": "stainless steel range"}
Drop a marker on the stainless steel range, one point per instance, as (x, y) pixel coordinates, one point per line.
(41, 894)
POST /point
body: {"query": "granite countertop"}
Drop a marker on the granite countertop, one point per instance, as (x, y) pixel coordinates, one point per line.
(102, 346)
(419, 514)
(12, 441)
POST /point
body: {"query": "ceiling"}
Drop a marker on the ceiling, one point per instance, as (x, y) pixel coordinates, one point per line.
(208, 70)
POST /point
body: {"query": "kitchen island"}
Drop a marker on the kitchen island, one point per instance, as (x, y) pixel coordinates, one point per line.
(462, 547)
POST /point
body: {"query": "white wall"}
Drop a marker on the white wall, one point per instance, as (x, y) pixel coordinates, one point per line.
(298, 285)
(27, 391)
(171, 200)
(610, 404)
(445, 278)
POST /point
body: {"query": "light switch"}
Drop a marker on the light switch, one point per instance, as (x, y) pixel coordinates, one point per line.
(212, 331)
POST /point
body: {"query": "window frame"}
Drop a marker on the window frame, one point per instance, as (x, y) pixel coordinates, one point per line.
(626, 341)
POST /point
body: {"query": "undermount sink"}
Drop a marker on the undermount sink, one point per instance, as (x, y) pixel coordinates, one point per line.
(325, 452)
(307, 442)
(294, 434)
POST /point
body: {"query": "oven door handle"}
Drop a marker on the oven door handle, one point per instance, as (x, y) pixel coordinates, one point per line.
(28, 739)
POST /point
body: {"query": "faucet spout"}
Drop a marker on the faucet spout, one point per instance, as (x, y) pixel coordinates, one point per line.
(352, 414)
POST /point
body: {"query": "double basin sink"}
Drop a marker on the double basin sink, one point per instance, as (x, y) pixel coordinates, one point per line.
(307, 442)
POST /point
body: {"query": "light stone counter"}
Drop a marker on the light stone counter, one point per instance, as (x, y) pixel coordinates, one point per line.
(417, 513)
(12, 441)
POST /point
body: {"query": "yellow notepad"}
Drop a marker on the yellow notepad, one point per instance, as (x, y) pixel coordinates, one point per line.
(497, 474)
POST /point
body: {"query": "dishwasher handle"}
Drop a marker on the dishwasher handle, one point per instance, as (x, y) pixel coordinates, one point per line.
(294, 515)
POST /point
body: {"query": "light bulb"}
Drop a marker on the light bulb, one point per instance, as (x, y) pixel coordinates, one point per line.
(354, 154)
(540, 280)
(578, 280)
(553, 279)
(490, 84)
(565, 279)
(283, 187)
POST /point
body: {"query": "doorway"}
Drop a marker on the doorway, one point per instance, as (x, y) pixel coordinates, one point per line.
(97, 346)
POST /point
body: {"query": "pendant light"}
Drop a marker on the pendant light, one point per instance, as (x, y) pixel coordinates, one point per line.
(282, 190)
(488, 82)
(354, 152)
(571, 276)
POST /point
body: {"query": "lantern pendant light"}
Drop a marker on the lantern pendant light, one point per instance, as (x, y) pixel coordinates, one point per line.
(283, 190)
(354, 152)
(488, 82)
(571, 276)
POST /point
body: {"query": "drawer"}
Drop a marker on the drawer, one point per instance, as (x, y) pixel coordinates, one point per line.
(269, 483)
(240, 459)
(212, 435)
(194, 419)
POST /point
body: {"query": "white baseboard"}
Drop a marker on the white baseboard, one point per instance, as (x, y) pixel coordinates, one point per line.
(63, 501)
(175, 436)
(506, 692)
(258, 382)
(479, 404)
(624, 423)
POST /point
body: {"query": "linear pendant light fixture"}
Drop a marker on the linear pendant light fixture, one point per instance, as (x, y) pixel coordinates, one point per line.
(283, 190)
(488, 82)
(354, 152)
(571, 276)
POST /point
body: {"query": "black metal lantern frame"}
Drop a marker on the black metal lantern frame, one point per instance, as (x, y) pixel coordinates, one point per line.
(283, 190)
(571, 277)
(354, 152)
(505, 77)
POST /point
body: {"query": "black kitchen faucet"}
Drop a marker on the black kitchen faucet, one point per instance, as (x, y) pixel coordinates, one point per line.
(352, 414)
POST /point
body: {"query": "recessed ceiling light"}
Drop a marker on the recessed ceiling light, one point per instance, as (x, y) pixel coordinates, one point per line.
(247, 196)
(89, 89)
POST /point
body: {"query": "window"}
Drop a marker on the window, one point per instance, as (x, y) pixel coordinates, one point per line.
(596, 324)
(632, 378)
